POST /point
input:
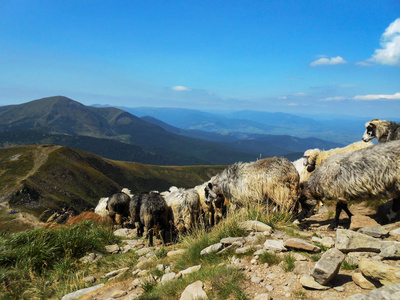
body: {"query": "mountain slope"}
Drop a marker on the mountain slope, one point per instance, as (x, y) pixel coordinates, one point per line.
(37, 178)
(61, 115)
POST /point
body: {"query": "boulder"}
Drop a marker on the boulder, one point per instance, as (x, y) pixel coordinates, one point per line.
(388, 292)
(194, 291)
(255, 226)
(187, 271)
(274, 245)
(328, 266)
(390, 250)
(360, 221)
(381, 272)
(363, 282)
(300, 244)
(350, 241)
(308, 281)
(211, 249)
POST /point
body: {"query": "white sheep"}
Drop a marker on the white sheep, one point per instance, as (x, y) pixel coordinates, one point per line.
(271, 179)
(370, 173)
(101, 208)
(184, 206)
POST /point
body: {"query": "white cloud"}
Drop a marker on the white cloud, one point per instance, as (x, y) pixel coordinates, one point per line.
(363, 64)
(389, 54)
(378, 97)
(282, 98)
(326, 61)
(180, 88)
(300, 94)
(338, 98)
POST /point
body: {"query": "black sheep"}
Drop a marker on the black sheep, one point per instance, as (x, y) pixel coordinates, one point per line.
(118, 207)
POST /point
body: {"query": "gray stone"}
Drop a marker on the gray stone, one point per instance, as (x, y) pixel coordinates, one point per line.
(388, 292)
(189, 271)
(308, 281)
(328, 266)
(194, 291)
(244, 250)
(300, 244)
(262, 297)
(255, 226)
(231, 240)
(168, 277)
(274, 245)
(361, 221)
(113, 249)
(89, 279)
(256, 279)
(175, 253)
(327, 242)
(115, 273)
(211, 249)
(376, 232)
(91, 258)
(381, 272)
(80, 293)
(125, 232)
(363, 282)
(143, 251)
(118, 293)
(350, 241)
(390, 250)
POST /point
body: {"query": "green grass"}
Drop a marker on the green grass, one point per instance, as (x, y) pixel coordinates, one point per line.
(270, 258)
(346, 265)
(289, 263)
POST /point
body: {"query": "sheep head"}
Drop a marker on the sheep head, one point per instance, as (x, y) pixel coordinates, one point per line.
(213, 193)
(376, 129)
(311, 159)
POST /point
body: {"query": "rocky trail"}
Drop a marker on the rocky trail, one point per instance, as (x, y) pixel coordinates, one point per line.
(372, 252)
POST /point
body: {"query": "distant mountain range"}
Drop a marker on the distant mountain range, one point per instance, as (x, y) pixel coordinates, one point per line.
(117, 134)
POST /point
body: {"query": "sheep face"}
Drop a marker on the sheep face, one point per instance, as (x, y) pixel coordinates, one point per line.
(376, 129)
(213, 194)
(370, 132)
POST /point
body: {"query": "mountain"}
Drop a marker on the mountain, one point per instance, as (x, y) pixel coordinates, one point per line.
(339, 129)
(61, 115)
(40, 177)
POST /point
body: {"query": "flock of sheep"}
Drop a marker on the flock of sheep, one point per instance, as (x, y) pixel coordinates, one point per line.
(360, 171)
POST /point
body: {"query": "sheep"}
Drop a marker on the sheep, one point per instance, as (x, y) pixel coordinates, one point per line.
(301, 167)
(118, 206)
(274, 179)
(207, 210)
(101, 208)
(184, 208)
(370, 173)
(149, 210)
(382, 130)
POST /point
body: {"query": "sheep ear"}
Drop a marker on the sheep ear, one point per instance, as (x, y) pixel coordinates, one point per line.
(210, 186)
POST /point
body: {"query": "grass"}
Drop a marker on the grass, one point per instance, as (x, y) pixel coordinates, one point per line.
(346, 265)
(289, 263)
(269, 258)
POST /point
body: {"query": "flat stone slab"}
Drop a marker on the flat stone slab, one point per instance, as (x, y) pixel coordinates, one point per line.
(274, 245)
(194, 291)
(351, 241)
(381, 272)
(211, 249)
(308, 281)
(300, 244)
(80, 293)
(255, 226)
(388, 292)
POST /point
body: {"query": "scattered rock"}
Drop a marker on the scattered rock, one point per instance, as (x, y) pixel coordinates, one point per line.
(274, 245)
(388, 292)
(89, 279)
(211, 249)
(232, 240)
(189, 271)
(115, 273)
(126, 233)
(360, 221)
(194, 291)
(91, 258)
(113, 249)
(255, 226)
(381, 272)
(390, 250)
(168, 277)
(376, 232)
(262, 297)
(118, 294)
(328, 266)
(143, 251)
(347, 241)
(80, 293)
(175, 253)
(308, 281)
(363, 282)
(300, 244)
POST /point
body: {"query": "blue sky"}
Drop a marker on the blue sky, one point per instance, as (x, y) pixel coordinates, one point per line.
(304, 57)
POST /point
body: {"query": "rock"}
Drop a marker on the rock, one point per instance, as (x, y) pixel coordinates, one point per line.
(255, 226)
(113, 249)
(308, 281)
(89, 279)
(274, 245)
(189, 271)
(256, 279)
(390, 250)
(376, 232)
(143, 251)
(262, 297)
(328, 266)
(211, 249)
(244, 250)
(360, 221)
(160, 267)
(327, 242)
(118, 294)
(175, 253)
(232, 240)
(363, 282)
(133, 296)
(125, 233)
(194, 291)
(115, 273)
(300, 244)
(381, 272)
(80, 293)
(168, 277)
(395, 233)
(350, 241)
(388, 292)
(299, 257)
(91, 258)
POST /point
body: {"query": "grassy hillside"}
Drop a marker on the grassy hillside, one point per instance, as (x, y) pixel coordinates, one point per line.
(41, 177)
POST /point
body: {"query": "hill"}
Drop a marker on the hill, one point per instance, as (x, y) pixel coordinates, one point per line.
(61, 115)
(41, 177)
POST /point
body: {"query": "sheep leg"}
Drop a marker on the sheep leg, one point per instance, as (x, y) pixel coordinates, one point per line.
(394, 210)
(150, 234)
(340, 205)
